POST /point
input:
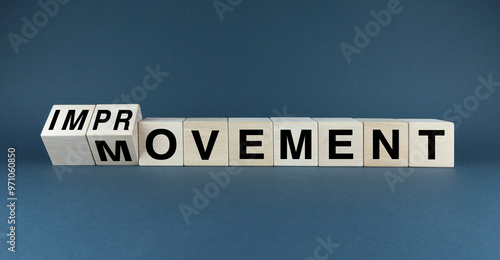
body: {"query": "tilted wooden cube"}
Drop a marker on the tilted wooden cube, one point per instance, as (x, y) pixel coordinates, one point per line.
(113, 134)
(295, 141)
(206, 142)
(161, 141)
(385, 142)
(431, 143)
(64, 135)
(250, 142)
(340, 142)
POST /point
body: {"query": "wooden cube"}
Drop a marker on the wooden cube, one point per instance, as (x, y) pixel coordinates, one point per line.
(64, 135)
(431, 143)
(206, 142)
(161, 141)
(113, 134)
(295, 141)
(385, 142)
(250, 142)
(340, 142)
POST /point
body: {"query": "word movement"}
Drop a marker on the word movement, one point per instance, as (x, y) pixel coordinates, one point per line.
(117, 135)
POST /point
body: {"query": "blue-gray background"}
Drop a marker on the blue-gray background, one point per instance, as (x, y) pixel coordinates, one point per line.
(265, 58)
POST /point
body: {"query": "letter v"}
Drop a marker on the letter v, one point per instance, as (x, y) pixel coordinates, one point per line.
(205, 153)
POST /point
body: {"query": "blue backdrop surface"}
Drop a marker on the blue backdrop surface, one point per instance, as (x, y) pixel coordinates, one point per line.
(241, 58)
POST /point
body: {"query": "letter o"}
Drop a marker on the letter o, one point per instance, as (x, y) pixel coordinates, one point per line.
(143, 93)
(372, 24)
(36, 20)
(172, 144)
(211, 186)
(471, 107)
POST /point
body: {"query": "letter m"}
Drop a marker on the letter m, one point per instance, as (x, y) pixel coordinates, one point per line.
(305, 137)
(70, 120)
(103, 148)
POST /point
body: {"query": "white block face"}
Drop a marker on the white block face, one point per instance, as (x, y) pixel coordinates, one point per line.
(64, 135)
(206, 142)
(431, 143)
(161, 142)
(295, 141)
(250, 142)
(340, 142)
(113, 134)
(385, 142)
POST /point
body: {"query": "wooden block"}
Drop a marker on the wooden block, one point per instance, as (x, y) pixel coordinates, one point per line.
(113, 134)
(206, 142)
(431, 143)
(340, 142)
(64, 135)
(385, 142)
(161, 141)
(250, 142)
(295, 141)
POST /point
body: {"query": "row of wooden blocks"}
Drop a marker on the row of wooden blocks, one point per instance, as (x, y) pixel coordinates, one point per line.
(117, 135)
